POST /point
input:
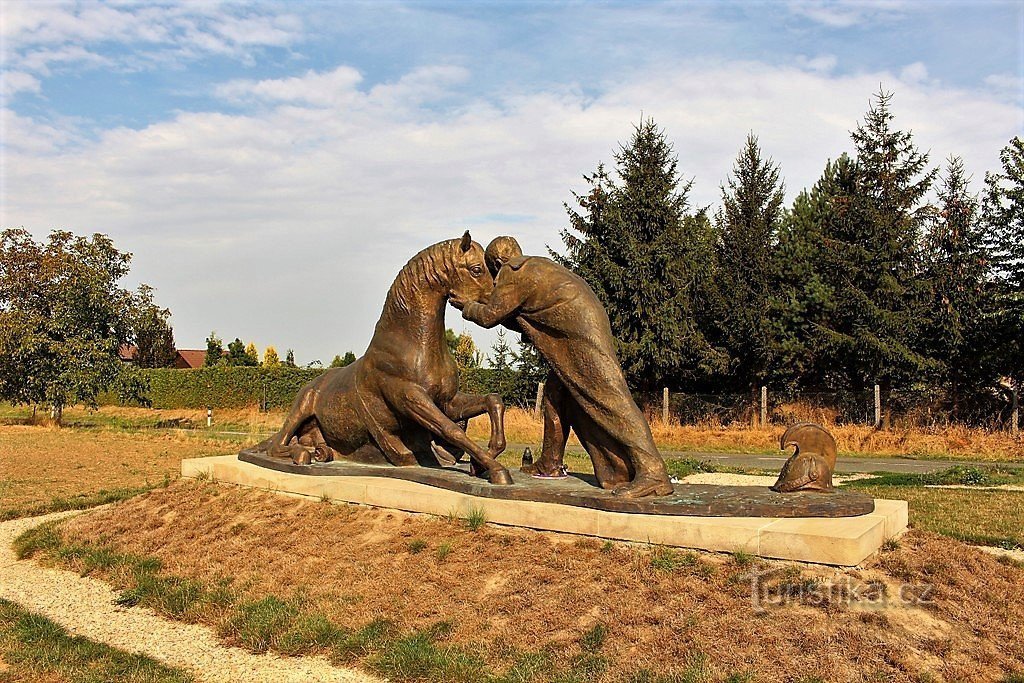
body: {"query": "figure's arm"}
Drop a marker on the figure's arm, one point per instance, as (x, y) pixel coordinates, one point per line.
(505, 300)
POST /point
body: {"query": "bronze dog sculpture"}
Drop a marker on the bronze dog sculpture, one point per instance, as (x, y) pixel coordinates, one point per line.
(810, 467)
(402, 394)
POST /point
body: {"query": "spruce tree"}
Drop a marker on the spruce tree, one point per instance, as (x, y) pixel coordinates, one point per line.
(747, 227)
(214, 350)
(650, 262)
(1003, 215)
(854, 294)
(503, 376)
(884, 297)
(957, 268)
(803, 298)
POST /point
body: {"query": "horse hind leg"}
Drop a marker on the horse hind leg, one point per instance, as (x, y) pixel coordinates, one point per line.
(310, 437)
(285, 444)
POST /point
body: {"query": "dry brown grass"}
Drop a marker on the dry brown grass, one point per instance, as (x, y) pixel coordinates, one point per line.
(939, 442)
(522, 427)
(511, 589)
(42, 463)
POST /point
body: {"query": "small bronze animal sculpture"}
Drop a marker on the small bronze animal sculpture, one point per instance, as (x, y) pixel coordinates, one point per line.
(811, 465)
(402, 395)
(585, 390)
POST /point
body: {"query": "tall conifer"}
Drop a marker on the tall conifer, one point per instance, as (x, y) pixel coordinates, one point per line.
(747, 227)
(649, 260)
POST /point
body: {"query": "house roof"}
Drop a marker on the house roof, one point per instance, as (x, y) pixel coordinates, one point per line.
(190, 358)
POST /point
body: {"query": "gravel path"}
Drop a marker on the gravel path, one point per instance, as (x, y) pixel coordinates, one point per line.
(85, 606)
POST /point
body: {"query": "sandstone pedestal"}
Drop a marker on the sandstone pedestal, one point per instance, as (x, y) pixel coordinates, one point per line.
(843, 540)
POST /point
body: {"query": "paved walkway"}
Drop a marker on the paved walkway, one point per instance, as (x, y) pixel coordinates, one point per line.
(85, 607)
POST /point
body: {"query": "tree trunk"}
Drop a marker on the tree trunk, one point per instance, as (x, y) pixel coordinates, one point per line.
(56, 413)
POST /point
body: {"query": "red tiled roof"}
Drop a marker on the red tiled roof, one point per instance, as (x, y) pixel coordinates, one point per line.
(190, 358)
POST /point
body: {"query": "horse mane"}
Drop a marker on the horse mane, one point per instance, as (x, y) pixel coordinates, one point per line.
(429, 267)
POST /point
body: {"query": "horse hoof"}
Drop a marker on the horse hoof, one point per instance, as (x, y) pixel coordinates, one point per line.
(500, 477)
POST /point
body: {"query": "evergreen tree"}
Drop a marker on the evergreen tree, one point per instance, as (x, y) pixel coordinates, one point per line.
(803, 298)
(1003, 216)
(747, 227)
(214, 350)
(884, 297)
(852, 294)
(289, 359)
(270, 358)
(154, 337)
(252, 356)
(649, 260)
(531, 369)
(236, 353)
(957, 268)
(504, 376)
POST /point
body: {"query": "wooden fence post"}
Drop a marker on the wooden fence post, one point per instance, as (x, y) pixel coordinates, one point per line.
(878, 406)
(764, 406)
(1015, 415)
(664, 405)
(540, 397)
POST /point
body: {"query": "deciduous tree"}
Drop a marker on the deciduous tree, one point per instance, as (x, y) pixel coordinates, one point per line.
(63, 318)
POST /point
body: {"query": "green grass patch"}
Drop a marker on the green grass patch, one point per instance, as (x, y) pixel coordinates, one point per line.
(80, 501)
(33, 646)
(476, 517)
(982, 517)
(684, 467)
(958, 475)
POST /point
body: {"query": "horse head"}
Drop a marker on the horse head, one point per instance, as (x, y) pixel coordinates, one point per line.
(469, 279)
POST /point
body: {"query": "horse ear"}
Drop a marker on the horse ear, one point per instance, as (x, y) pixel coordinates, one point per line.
(467, 241)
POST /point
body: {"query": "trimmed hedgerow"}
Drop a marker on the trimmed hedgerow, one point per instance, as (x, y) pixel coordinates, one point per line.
(241, 386)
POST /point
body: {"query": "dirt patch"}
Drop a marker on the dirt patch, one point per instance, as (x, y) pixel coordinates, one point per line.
(930, 607)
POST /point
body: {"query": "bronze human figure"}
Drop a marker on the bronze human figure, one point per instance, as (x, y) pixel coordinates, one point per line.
(586, 390)
(402, 394)
(811, 465)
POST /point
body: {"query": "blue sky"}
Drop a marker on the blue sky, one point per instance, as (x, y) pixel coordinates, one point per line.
(243, 151)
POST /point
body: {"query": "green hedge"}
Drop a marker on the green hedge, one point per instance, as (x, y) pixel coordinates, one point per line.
(238, 387)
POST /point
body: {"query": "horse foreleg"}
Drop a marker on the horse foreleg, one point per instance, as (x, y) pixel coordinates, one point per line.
(418, 405)
(464, 406)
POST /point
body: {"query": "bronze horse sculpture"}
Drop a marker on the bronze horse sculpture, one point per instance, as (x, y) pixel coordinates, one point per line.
(402, 396)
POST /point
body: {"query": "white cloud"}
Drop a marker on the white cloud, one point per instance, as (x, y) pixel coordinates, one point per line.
(17, 81)
(37, 35)
(821, 63)
(847, 13)
(234, 216)
(329, 88)
(914, 73)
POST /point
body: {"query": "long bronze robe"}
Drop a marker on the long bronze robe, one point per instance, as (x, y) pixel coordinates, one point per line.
(559, 312)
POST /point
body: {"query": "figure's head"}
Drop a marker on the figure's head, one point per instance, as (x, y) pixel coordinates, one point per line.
(500, 251)
(470, 281)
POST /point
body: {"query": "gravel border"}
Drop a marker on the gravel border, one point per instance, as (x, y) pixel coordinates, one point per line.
(85, 606)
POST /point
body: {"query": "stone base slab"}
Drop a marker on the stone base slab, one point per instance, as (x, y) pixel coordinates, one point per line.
(845, 541)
